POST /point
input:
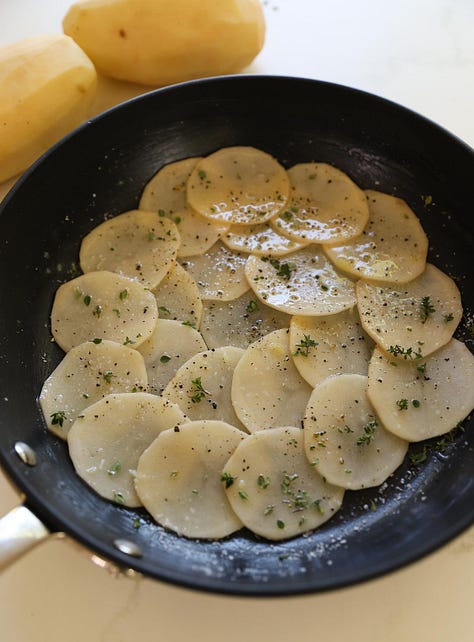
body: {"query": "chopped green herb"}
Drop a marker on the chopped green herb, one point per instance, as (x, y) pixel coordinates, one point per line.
(283, 269)
(369, 433)
(161, 213)
(177, 220)
(114, 469)
(136, 523)
(252, 306)
(87, 299)
(263, 482)
(77, 293)
(227, 479)
(96, 341)
(190, 323)
(418, 457)
(243, 494)
(406, 353)
(421, 367)
(268, 510)
(127, 341)
(402, 404)
(123, 295)
(117, 312)
(97, 311)
(448, 317)
(118, 497)
(151, 236)
(198, 391)
(286, 215)
(162, 309)
(416, 403)
(202, 174)
(107, 376)
(302, 348)
(426, 308)
(165, 358)
(317, 506)
(280, 524)
(58, 418)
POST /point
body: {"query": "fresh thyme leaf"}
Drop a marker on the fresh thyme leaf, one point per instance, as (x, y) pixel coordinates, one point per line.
(252, 306)
(227, 479)
(87, 299)
(128, 341)
(164, 310)
(426, 308)
(402, 404)
(243, 495)
(263, 482)
(302, 348)
(123, 295)
(107, 376)
(190, 323)
(58, 418)
(114, 469)
(165, 358)
(448, 317)
(198, 391)
(96, 341)
(118, 497)
(418, 457)
(369, 433)
(406, 353)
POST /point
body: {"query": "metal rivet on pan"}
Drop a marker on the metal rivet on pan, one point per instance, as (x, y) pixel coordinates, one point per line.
(128, 547)
(25, 453)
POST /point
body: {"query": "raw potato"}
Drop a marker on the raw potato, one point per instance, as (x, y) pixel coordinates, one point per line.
(179, 479)
(102, 305)
(344, 439)
(274, 490)
(178, 297)
(47, 84)
(106, 441)
(423, 398)
(87, 373)
(158, 42)
(260, 239)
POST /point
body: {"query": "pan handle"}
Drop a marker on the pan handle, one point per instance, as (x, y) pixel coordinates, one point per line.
(20, 530)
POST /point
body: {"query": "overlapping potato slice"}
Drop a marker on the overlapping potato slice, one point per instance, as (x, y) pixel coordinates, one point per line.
(325, 206)
(392, 247)
(422, 398)
(140, 245)
(165, 193)
(219, 273)
(168, 348)
(238, 185)
(201, 387)
(260, 240)
(424, 312)
(87, 373)
(102, 305)
(324, 346)
(106, 441)
(267, 389)
(239, 322)
(178, 297)
(274, 490)
(304, 283)
(178, 479)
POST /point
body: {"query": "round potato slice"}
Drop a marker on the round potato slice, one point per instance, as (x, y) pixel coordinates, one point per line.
(168, 348)
(87, 373)
(326, 206)
(165, 193)
(267, 389)
(423, 312)
(201, 387)
(423, 398)
(344, 438)
(106, 441)
(238, 185)
(303, 283)
(392, 247)
(260, 240)
(178, 297)
(102, 305)
(219, 273)
(239, 322)
(140, 245)
(274, 490)
(178, 479)
(324, 346)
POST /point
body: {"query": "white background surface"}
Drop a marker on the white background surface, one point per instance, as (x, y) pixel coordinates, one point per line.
(419, 53)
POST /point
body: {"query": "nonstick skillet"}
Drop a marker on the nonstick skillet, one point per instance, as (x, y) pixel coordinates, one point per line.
(100, 170)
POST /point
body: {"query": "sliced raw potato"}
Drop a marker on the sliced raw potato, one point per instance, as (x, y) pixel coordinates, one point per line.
(140, 245)
(106, 441)
(168, 348)
(260, 239)
(178, 297)
(102, 305)
(422, 398)
(324, 346)
(178, 479)
(392, 247)
(267, 389)
(344, 438)
(424, 312)
(326, 206)
(87, 373)
(165, 193)
(219, 273)
(238, 185)
(201, 387)
(303, 283)
(239, 322)
(274, 490)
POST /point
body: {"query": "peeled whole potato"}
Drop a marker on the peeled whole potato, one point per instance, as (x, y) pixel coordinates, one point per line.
(159, 42)
(47, 84)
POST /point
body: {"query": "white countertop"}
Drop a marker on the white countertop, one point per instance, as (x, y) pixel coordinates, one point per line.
(419, 53)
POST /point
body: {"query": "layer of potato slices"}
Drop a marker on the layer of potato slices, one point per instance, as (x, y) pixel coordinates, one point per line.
(325, 205)
(238, 185)
(178, 297)
(424, 312)
(420, 398)
(260, 240)
(274, 490)
(304, 283)
(344, 438)
(168, 348)
(178, 479)
(87, 373)
(324, 346)
(165, 193)
(392, 247)
(140, 245)
(102, 305)
(108, 438)
(267, 389)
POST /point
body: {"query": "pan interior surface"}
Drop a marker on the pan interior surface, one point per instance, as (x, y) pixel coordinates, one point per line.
(100, 171)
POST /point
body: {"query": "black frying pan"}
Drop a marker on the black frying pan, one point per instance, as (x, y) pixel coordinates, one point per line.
(101, 169)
